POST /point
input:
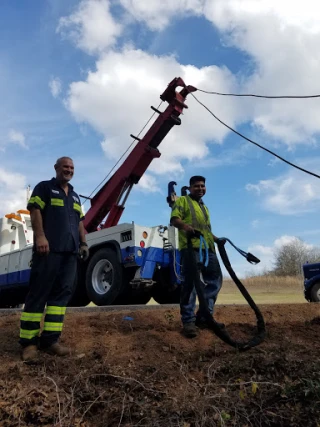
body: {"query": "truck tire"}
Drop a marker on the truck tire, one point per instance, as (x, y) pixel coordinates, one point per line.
(315, 292)
(130, 296)
(163, 291)
(12, 299)
(166, 295)
(104, 277)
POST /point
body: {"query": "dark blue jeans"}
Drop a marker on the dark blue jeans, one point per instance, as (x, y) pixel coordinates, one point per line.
(211, 277)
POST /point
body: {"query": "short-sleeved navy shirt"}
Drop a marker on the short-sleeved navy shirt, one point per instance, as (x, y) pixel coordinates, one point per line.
(61, 215)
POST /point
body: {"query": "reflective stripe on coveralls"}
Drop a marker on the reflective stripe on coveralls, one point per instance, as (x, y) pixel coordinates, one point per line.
(37, 199)
(30, 325)
(30, 322)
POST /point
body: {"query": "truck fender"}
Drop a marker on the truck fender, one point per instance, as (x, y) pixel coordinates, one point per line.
(112, 244)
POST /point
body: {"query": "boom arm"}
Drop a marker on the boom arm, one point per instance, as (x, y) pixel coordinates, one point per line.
(111, 198)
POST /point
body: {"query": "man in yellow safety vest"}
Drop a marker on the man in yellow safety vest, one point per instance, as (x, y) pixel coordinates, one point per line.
(189, 214)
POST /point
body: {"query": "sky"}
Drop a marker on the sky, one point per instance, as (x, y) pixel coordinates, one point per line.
(78, 77)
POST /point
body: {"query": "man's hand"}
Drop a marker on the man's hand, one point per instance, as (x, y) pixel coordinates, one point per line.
(180, 225)
(84, 251)
(188, 229)
(42, 245)
(221, 240)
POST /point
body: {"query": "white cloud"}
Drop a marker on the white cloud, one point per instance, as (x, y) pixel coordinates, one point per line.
(55, 86)
(157, 14)
(240, 155)
(284, 240)
(148, 184)
(280, 38)
(17, 137)
(291, 194)
(91, 27)
(13, 192)
(115, 98)
(261, 251)
(266, 253)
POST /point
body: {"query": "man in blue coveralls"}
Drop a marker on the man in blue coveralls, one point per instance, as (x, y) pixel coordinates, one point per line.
(59, 236)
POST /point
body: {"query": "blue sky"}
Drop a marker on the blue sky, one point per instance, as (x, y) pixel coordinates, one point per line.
(77, 77)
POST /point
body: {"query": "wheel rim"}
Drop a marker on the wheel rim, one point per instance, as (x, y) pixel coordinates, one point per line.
(318, 295)
(102, 277)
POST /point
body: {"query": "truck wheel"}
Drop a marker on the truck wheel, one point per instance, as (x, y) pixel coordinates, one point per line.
(164, 292)
(130, 296)
(166, 295)
(315, 292)
(104, 277)
(12, 299)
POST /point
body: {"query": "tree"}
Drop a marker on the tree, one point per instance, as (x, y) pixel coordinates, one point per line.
(289, 258)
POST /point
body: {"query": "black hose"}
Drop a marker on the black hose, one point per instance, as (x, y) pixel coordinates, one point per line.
(192, 278)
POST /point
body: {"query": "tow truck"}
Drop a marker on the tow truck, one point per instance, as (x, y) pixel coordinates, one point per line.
(128, 263)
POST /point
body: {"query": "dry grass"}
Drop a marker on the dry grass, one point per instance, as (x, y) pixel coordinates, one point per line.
(264, 290)
(270, 283)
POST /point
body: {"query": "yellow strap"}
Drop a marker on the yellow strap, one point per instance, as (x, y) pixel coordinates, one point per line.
(25, 333)
(53, 326)
(77, 208)
(31, 317)
(37, 199)
(57, 202)
(53, 309)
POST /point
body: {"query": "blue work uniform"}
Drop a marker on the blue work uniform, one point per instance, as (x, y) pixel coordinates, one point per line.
(196, 214)
(52, 276)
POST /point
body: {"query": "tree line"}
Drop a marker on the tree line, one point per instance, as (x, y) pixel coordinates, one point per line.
(289, 258)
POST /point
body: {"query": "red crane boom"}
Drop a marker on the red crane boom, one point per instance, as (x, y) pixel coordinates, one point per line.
(111, 198)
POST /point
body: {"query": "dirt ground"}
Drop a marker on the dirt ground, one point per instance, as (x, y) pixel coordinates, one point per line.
(134, 368)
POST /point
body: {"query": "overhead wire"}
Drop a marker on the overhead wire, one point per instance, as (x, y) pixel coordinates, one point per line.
(121, 157)
(259, 96)
(253, 142)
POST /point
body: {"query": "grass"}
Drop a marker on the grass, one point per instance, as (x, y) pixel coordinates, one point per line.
(264, 290)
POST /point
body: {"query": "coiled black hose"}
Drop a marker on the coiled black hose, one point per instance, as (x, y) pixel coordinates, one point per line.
(192, 278)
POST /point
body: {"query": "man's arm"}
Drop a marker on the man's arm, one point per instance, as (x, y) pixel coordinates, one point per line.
(83, 250)
(177, 216)
(82, 234)
(180, 225)
(41, 242)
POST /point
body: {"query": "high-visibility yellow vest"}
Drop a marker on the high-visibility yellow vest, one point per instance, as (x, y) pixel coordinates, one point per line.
(195, 214)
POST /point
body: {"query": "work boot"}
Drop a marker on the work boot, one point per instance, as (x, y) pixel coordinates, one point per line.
(29, 354)
(57, 349)
(221, 325)
(190, 330)
(201, 323)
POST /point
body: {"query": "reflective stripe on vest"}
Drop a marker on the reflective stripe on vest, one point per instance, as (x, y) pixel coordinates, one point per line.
(195, 222)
